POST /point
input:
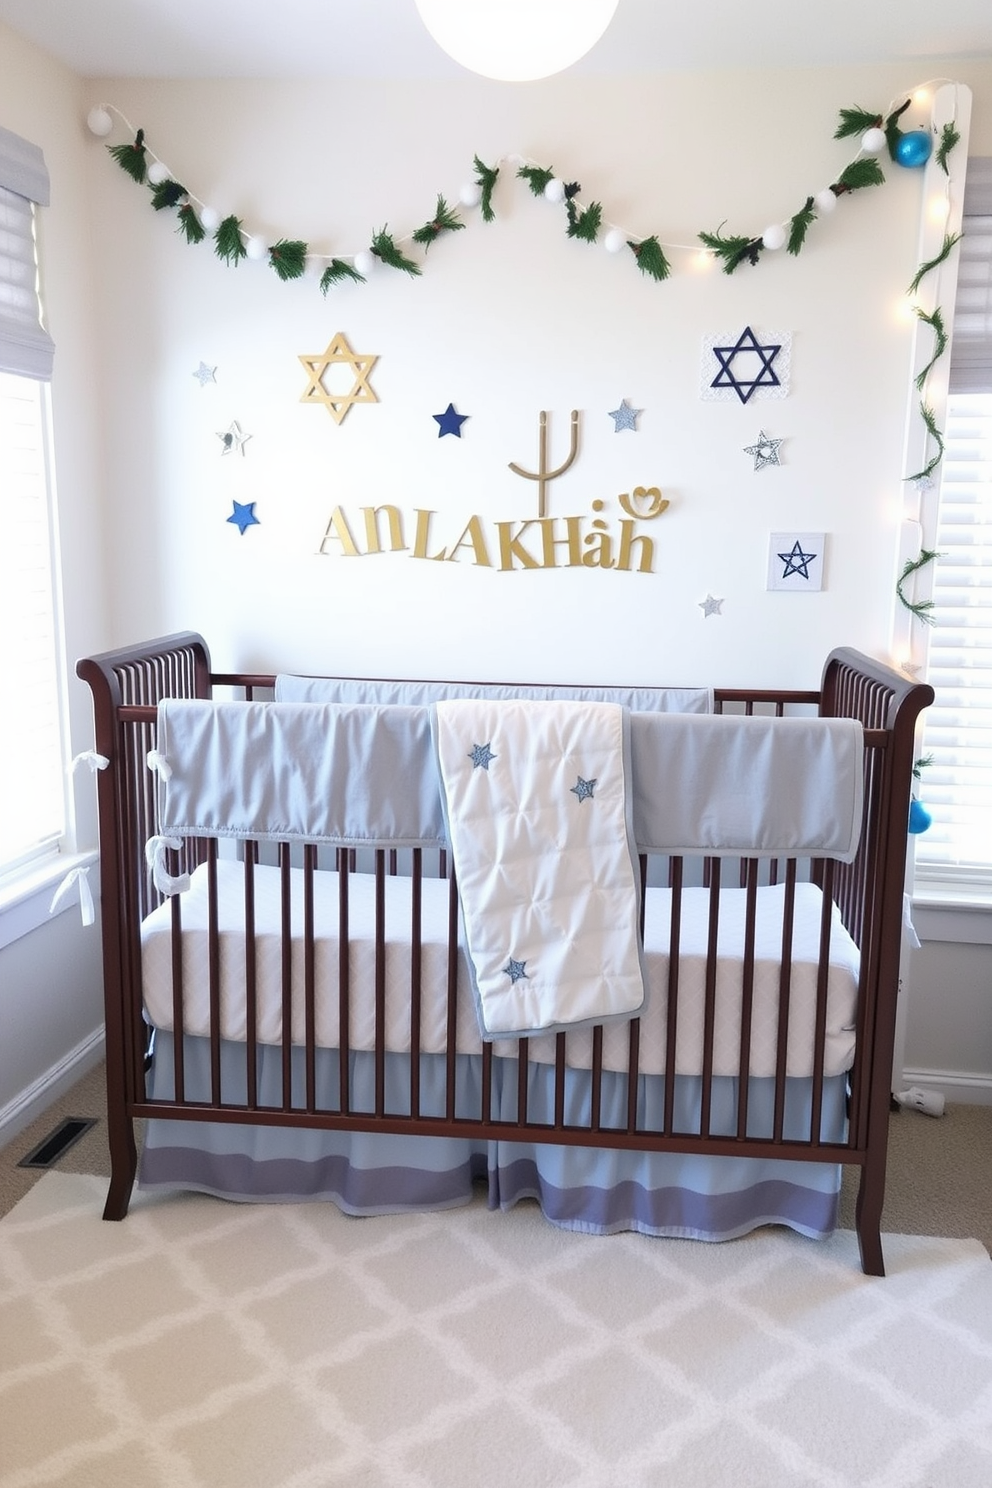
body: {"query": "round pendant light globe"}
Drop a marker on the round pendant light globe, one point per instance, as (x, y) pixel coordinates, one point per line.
(516, 41)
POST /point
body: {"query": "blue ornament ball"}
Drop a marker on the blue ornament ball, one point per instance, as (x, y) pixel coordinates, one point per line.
(919, 816)
(913, 148)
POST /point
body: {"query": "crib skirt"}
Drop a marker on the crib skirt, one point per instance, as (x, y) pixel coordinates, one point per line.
(599, 1191)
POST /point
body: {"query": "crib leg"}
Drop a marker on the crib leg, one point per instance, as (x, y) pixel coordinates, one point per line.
(123, 1163)
(868, 1218)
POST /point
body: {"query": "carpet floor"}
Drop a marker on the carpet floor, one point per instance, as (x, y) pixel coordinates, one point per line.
(202, 1344)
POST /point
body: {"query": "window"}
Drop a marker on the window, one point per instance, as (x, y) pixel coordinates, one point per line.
(957, 785)
(32, 777)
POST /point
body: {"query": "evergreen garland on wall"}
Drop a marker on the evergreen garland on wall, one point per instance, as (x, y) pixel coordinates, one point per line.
(288, 257)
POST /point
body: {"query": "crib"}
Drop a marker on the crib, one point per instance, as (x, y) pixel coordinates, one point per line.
(295, 1014)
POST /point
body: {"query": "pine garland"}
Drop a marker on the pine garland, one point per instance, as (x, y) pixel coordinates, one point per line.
(891, 127)
(949, 241)
(650, 258)
(337, 270)
(385, 249)
(131, 158)
(949, 137)
(190, 225)
(920, 608)
(229, 243)
(930, 424)
(856, 121)
(858, 175)
(486, 176)
(444, 220)
(536, 176)
(167, 194)
(584, 225)
(800, 225)
(732, 251)
(289, 258)
(935, 321)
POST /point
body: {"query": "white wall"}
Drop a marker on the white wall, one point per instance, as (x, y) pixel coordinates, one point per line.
(508, 319)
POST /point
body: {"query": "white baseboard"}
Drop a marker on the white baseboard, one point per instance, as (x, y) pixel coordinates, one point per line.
(23, 1109)
(956, 1086)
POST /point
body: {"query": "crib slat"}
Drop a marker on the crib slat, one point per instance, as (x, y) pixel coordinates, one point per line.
(559, 1079)
(178, 1015)
(309, 982)
(523, 1046)
(784, 991)
(416, 963)
(451, 1038)
(344, 981)
(251, 977)
(747, 995)
(822, 979)
(596, 1103)
(213, 961)
(487, 1083)
(380, 981)
(286, 954)
(634, 1033)
(675, 874)
(709, 1001)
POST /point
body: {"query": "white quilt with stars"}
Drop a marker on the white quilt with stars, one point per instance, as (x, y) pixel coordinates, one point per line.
(538, 808)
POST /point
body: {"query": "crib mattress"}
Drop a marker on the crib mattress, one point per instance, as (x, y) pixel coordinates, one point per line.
(157, 973)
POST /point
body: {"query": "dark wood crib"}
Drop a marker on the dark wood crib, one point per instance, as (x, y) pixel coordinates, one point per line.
(865, 896)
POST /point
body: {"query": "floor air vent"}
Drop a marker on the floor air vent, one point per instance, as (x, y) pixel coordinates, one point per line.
(57, 1143)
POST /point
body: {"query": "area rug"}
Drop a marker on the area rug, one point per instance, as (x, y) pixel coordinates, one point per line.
(201, 1344)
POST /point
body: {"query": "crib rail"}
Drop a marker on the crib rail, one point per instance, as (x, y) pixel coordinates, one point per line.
(507, 1097)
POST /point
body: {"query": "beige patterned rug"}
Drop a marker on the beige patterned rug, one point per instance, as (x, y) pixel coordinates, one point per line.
(207, 1345)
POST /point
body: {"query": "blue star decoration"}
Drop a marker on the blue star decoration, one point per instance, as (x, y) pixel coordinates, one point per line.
(796, 561)
(481, 755)
(624, 417)
(583, 789)
(747, 344)
(205, 374)
(515, 970)
(711, 606)
(243, 516)
(449, 422)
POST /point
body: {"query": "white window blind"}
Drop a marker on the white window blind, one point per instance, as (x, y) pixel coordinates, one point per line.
(32, 778)
(25, 345)
(957, 786)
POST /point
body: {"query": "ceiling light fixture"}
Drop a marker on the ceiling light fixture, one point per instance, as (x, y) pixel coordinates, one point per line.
(516, 41)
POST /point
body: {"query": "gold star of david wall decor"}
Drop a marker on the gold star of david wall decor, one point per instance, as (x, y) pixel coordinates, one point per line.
(329, 365)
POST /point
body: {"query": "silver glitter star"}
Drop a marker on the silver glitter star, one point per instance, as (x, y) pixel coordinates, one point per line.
(205, 374)
(625, 417)
(765, 452)
(711, 606)
(233, 439)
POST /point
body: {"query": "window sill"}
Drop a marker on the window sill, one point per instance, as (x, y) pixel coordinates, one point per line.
(26, 898)
(956, 912)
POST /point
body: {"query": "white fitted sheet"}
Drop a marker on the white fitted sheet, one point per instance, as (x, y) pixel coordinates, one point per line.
(156, 936)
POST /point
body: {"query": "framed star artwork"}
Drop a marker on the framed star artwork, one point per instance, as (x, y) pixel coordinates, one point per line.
(739, 366)
(795, 561)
